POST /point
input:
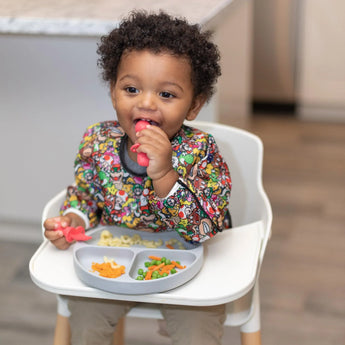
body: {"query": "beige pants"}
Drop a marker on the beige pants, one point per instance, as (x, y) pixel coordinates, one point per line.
(93, 322)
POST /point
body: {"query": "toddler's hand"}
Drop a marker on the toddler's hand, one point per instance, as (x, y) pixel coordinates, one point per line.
(56, 237)
(156, 144)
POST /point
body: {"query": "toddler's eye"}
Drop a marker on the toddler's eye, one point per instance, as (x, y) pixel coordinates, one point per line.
(131, 89)
(166, 94)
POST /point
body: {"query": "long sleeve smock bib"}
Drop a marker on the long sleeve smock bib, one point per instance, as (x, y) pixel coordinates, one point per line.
(107, 192)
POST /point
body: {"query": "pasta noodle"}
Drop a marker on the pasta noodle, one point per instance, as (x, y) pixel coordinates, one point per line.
(107, 239)
(174, 241)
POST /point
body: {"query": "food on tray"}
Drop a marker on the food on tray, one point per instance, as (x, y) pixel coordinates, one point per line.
(158, 267)
(108, 269)
(107, 239)
(173, 243)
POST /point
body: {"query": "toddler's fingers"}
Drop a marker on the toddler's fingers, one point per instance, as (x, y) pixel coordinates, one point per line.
(61, 243)
(153, 131)
(56, 222)
(53, 235)
(57, 238)
(52, 223)
(65, 221)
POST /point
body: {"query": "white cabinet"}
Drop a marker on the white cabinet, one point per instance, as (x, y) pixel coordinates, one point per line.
(321, 61)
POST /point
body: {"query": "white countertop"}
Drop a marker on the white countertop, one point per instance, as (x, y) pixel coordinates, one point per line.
(88, 17)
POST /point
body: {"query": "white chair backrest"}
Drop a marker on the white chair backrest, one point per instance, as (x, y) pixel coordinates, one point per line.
(243, 153)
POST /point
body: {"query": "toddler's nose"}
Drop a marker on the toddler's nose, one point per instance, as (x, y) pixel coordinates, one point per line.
(147, 101)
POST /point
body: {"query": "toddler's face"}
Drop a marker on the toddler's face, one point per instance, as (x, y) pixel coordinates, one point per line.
(154, 87)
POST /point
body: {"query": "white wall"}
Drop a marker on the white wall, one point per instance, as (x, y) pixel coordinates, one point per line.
(50, 91)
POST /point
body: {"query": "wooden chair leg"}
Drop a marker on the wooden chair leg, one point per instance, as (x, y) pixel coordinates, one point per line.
(251, 338)
(250, 331)
(62, 335)
(119, 334)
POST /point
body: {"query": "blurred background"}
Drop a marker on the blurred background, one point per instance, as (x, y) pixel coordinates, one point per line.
(283, 79)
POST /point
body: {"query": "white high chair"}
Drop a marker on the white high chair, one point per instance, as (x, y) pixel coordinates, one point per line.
(243, 153)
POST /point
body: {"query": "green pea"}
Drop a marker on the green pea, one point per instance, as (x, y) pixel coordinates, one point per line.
(167, 262)
(163, 259)
(172, 271)
(140, 278)
(140, 271)
(147, 264)
(164, 274)
(158, 262)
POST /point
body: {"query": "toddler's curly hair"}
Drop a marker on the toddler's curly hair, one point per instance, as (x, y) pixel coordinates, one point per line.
(161, 33)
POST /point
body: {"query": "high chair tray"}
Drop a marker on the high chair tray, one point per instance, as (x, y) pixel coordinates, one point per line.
(140, 245)
(229, 270)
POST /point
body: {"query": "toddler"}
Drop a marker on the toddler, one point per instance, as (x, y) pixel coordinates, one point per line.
(160, 70)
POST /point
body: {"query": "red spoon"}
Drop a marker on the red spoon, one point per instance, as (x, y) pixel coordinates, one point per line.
(142, 158)
(74, 234)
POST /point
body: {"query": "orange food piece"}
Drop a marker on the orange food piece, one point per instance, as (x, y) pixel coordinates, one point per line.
(159, 266)
(148, 275)
(106, 270)
(157, 258)
(177, 265)
(168, 267)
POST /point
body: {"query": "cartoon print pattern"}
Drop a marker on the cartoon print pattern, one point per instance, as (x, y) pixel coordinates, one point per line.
(109, 194)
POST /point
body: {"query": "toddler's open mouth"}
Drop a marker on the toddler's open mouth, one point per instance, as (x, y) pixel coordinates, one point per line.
(151, 122)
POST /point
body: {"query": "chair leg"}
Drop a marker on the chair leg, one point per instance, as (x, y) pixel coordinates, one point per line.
(62, 335)
(250, 331)
(119, 334)
(251, 338)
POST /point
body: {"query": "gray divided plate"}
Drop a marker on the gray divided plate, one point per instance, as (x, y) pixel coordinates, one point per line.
(133, 258)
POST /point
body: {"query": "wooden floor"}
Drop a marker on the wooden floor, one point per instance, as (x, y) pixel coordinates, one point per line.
(303, 277)
(302, 281)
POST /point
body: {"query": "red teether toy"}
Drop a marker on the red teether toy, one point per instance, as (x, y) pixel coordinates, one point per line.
(142, 158)
(74, 234)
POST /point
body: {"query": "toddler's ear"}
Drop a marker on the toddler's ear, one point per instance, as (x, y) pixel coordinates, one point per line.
(197, 104)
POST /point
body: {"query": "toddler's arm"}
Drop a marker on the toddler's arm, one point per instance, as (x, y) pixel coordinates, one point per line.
(197, 206)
